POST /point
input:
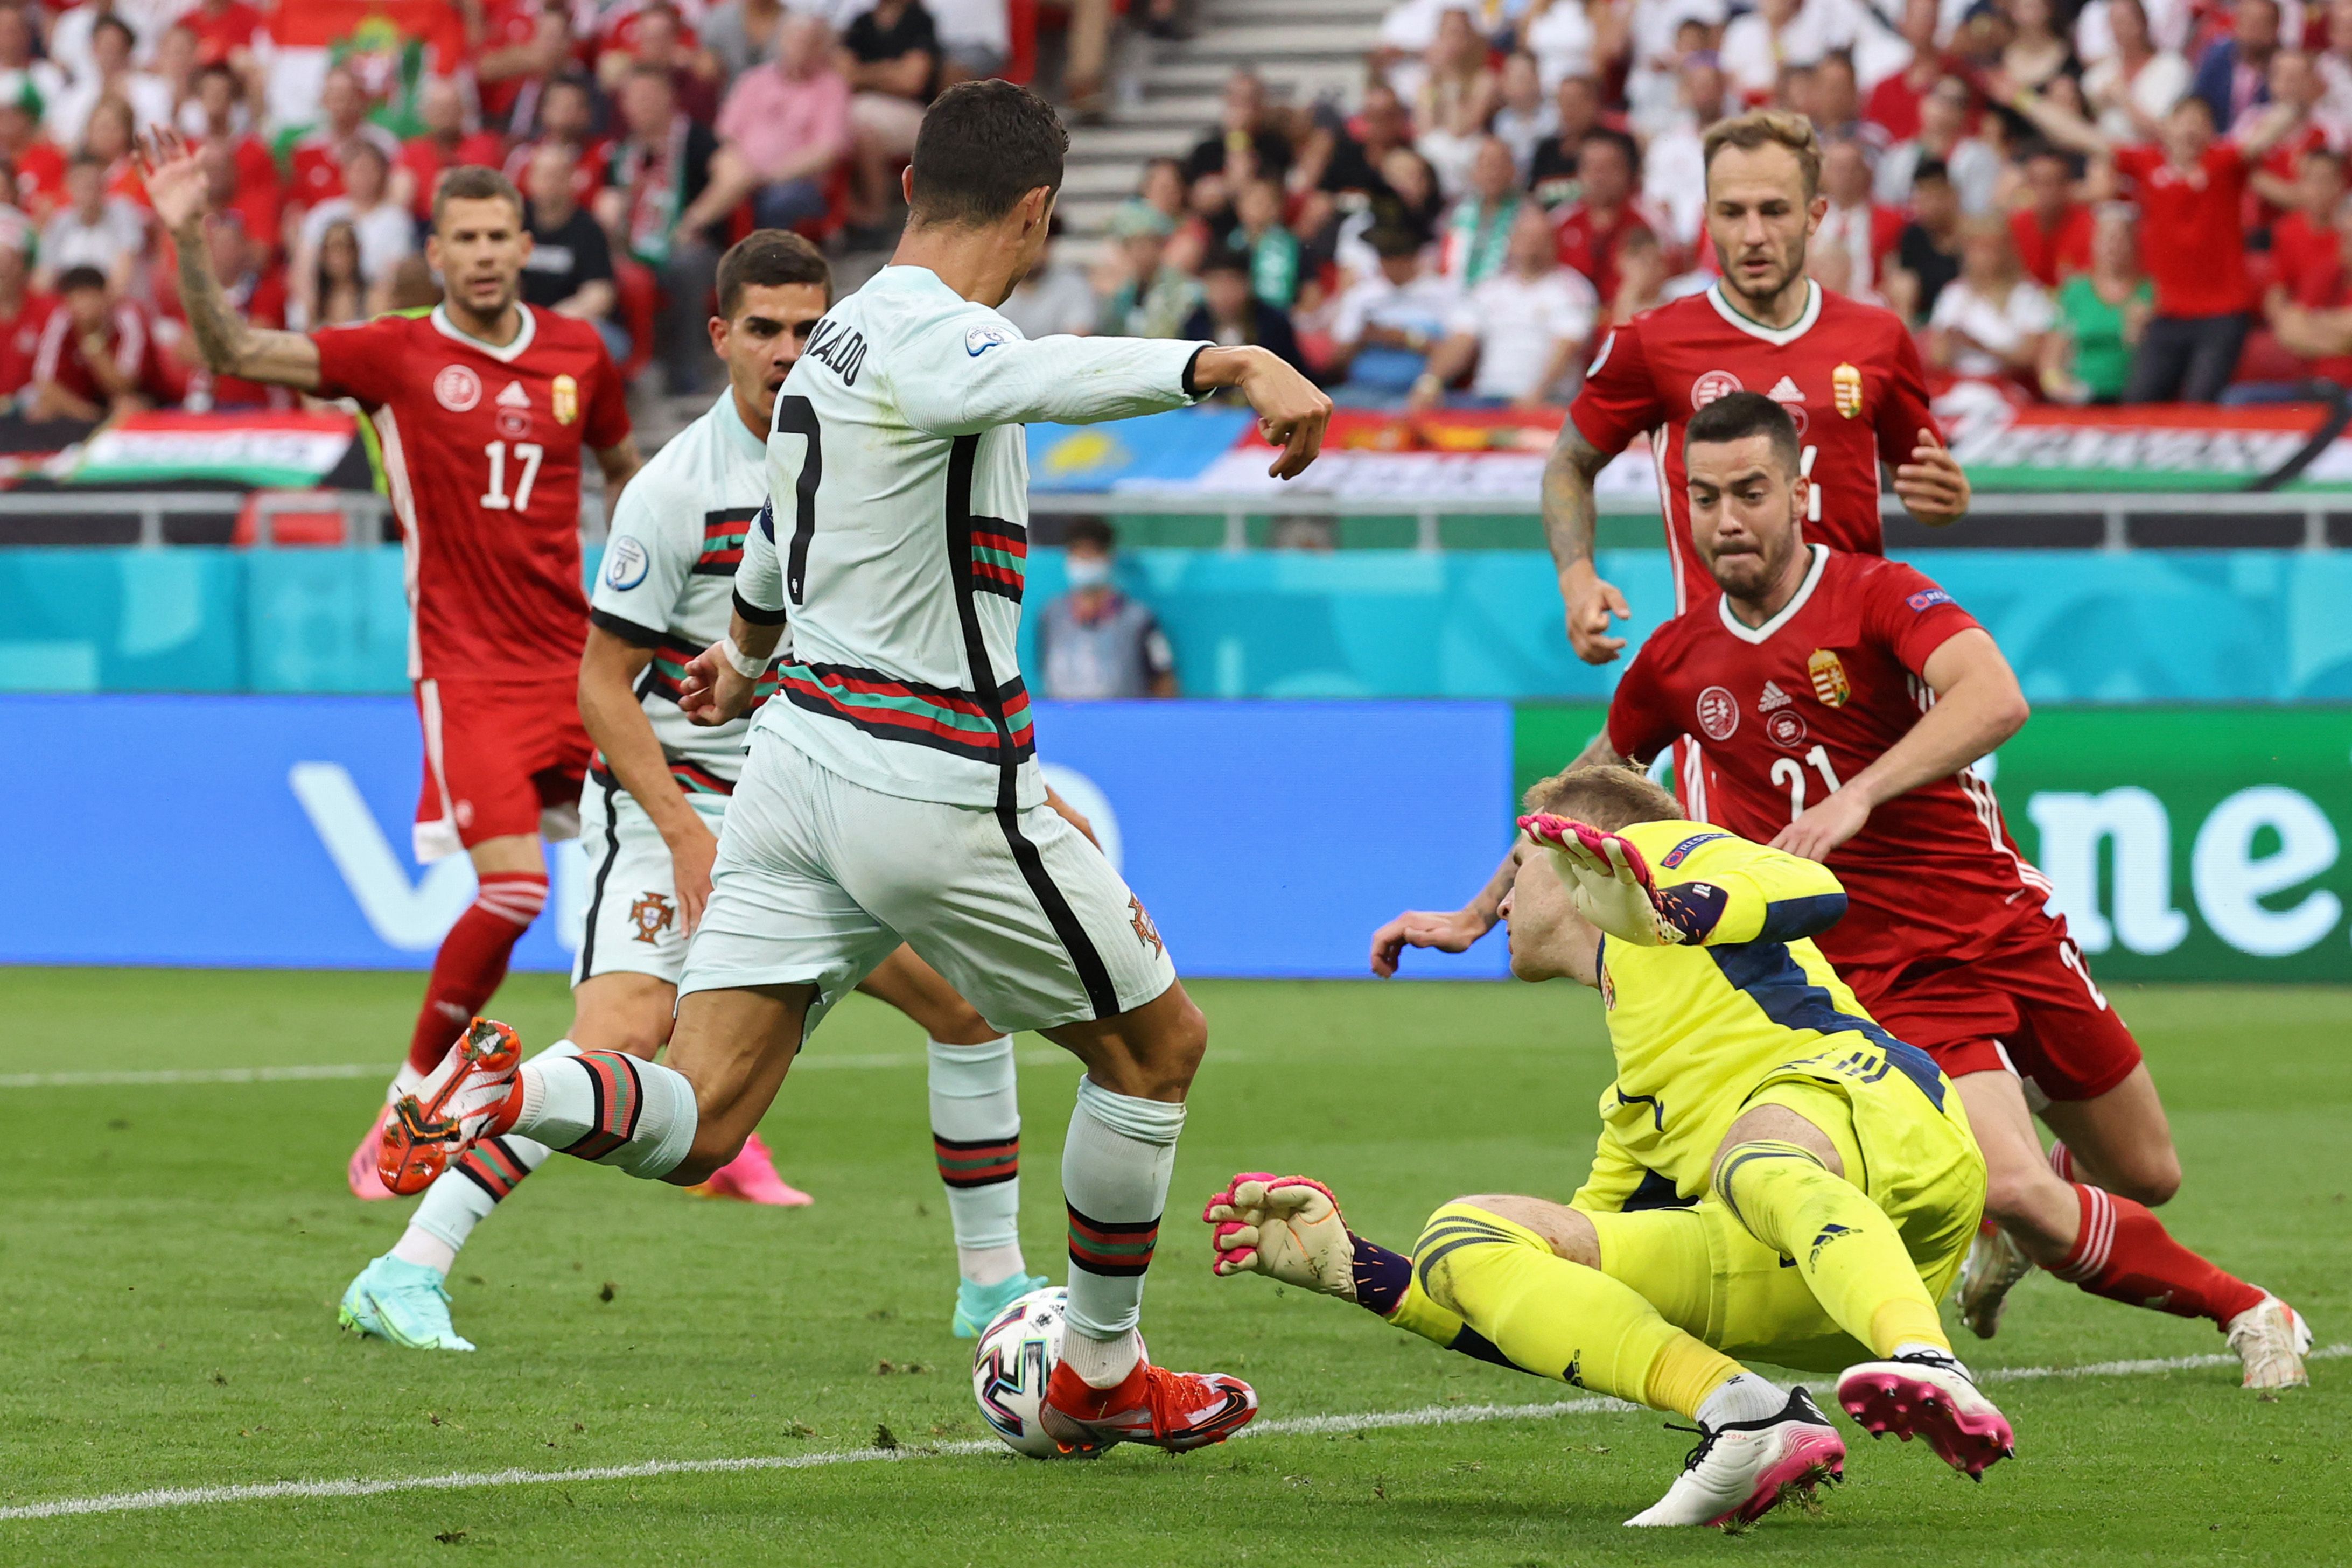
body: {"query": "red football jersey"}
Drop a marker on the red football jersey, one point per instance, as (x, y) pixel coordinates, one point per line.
(1781, 714)
(1848, 373)
(481, 454)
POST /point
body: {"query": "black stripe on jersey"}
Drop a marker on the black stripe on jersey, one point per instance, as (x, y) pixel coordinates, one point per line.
(1101, 995)
(596, 891)
(755, 616)
(628, 630)
(722, 563)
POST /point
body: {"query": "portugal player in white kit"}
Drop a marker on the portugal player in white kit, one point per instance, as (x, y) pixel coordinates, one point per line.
(657, 794)
(892, 793)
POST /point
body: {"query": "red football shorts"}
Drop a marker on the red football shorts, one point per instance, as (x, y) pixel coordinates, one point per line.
(502, 757)
(2032, 998)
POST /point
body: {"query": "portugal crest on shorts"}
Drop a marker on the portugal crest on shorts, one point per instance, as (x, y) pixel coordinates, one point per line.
(1830, 683)
(563, 399)
(652, 915)
(1144, 932)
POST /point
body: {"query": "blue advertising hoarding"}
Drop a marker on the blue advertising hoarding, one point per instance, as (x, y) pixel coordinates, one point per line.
(1267, 839)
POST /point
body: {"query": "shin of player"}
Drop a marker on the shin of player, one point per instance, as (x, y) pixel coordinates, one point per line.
(891, 793)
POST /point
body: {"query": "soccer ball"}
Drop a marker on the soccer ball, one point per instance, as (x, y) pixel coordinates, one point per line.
(1009, 1368)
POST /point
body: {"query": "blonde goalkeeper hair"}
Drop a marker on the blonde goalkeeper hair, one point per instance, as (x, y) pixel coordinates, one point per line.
(1768, 127)
(1608, 798)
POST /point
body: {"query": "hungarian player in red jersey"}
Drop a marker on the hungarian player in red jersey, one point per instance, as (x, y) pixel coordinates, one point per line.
(484, 408)
(1847, 372)
(1843, 700)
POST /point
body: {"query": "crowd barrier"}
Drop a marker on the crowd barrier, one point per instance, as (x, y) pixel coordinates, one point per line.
(1265, 839)
(2246, 625)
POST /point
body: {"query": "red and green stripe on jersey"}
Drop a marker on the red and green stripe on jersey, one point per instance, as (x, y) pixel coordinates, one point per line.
(1000, 557)
(890, 709)
(691, 777)
(1112, 1246)
(722, 540)
(665, 677)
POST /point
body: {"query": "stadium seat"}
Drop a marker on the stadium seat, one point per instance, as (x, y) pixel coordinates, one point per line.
(640, 303)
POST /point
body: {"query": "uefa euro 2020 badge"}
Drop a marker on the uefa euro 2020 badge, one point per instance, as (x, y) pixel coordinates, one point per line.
(1845, 388)
(625, 562)
(563, 399)
(1830, 683)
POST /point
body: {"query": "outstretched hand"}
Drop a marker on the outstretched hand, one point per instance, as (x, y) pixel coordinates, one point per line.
(1285, 1228)
(1933, 485)
(174, 177)
(1447, 931)
(1607, 879)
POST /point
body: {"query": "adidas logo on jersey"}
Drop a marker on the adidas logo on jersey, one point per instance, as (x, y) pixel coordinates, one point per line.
(514, 396)
(1785, 390)
(1773, 697)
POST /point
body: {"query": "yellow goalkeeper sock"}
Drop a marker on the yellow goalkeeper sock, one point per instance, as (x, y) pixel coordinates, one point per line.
(1557, 1319)
(1850, 1252)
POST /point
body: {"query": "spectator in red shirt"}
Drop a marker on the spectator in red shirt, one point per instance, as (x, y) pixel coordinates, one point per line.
(2316, 323)
(227, 31)
(656, 35)
(220, 102)
(1894, 103)
(2191, 195)
(2293, 79)
(318, 156)
(529, 42)
(2053, 230)
(39, 163)
(1855, 226)
(97, 355)
(567, 119)
(1591, 230)
(2304, 247)
(22, 313)
(443, 145)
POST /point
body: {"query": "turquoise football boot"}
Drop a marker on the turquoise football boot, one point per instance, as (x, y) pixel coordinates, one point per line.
(405, 1303)
(977, 1305)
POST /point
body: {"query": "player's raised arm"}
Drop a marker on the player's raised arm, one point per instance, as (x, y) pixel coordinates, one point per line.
(231, 346)
(1736, 891)
(1979, 705)
(1457, 931)
(1571, 518)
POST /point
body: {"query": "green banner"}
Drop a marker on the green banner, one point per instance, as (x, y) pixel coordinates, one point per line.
(2185, 843)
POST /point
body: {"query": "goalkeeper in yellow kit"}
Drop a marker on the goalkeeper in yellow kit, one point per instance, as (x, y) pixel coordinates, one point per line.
(1777, 1175)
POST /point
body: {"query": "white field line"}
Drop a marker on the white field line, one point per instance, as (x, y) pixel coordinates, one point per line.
(134, 1079)
(1303, 1425)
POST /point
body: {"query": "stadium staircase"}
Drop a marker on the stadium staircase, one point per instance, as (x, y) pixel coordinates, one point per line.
(1168, 93)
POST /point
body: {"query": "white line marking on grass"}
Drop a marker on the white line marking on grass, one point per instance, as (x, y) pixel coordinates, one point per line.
(1302, 1425)
(166, 1076)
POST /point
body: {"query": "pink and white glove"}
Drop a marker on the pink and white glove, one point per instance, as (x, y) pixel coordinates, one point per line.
(1285, 1228)
(1607, 877)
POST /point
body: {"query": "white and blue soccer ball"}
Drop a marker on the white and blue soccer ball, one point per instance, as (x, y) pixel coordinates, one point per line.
(1009, 1366)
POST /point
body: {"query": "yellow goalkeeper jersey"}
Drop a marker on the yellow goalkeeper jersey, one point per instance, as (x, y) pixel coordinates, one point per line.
(1698, 1028)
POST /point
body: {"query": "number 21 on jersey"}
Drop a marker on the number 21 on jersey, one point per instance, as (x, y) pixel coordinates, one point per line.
(1789, 774)
(528, 455)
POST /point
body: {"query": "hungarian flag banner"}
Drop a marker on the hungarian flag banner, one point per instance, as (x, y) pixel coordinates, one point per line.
(257, 450)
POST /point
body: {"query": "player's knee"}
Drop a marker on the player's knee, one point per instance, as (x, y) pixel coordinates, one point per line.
(957, 1022)
(1169, 1059)
(2025, 1193)
(2150, 1177)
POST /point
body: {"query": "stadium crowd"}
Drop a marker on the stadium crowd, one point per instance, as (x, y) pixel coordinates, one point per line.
(2134, 201)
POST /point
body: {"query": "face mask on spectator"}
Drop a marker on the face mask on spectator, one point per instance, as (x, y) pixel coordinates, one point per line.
(1089, 571)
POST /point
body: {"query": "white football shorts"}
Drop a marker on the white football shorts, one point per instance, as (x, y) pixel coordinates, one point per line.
(633, 922)
(819, 879)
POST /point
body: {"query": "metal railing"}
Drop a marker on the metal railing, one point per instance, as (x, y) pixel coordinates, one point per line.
(364, 512)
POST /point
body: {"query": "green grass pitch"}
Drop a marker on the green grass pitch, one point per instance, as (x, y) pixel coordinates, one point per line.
(173, 1252)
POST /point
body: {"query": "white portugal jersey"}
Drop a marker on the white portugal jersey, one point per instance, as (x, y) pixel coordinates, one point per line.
(668, 576)
(896, 537)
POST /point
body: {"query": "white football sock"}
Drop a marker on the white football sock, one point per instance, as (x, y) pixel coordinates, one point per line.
(462, 1197)
(1745, 1397)
(610, 1107)
(976, 1138)
(1115, 1170)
